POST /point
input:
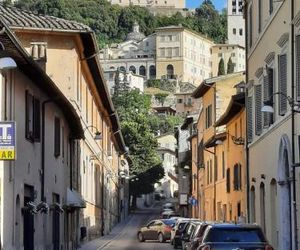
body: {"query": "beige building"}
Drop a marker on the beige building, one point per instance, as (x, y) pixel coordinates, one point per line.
(37, 185)
(273, 41)
(61, 48)
(228, 51)
(177, 4)
(182, 54)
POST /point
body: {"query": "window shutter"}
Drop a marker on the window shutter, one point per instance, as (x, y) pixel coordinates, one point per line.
(36, 120)
(249, 119)
(258, 113)
(240, 177)
(56, 137)
(28, 116)
(298, 66)
(266, 98)
(235, 177)
(228, 180)
(282, 84)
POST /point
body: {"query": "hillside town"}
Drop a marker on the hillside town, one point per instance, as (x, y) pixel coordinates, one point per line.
(141, 124)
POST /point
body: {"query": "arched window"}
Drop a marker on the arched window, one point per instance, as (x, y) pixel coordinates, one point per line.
(142, 71)
(132, 69)
(273, 213)
(122, 68)
(262, 206)
(112, 68)
(170, 71)
(252, 205)
(152, 71)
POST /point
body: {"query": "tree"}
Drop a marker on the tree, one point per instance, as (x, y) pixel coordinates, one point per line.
(221, 69)
(161, 98)
(230, 66)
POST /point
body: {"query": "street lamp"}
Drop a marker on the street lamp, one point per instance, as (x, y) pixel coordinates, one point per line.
(268, 105)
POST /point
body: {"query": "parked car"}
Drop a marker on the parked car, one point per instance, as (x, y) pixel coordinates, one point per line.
(167, 214)
(177, 231)
(188, 231)
(196, 237)
(168, 205)
(234, 236)
(156, 230)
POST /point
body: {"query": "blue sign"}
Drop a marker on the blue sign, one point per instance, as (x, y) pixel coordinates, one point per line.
(193, 201)
(7, 140)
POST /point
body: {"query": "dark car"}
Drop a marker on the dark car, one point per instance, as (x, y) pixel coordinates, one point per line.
(234, 236)
(196, 237)
(188, 231)
(177, 231)
(156, 230)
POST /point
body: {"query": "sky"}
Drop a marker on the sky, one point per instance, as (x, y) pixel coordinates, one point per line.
(219, 4)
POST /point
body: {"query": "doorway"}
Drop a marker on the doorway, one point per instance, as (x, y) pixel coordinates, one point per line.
(28, 219)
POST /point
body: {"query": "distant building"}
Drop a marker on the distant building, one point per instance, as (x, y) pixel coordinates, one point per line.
(133, 81)
(174, 4)
(164, 111)
(172, 52)
(227, 51)
(236, 22)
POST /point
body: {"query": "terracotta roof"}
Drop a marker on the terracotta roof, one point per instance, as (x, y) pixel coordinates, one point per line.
(18, 18)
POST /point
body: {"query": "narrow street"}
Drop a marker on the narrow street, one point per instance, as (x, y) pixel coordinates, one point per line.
(127, 239)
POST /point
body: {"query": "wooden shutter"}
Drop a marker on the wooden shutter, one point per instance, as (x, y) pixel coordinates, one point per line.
(235, 177)
(56, 137)
(240, 177)
(216, 167)
(282, 84)
(36, 120)
(266, 97)
(228, 180)
(258, 106)
(298, 66)
(249, 119)
(28, 116)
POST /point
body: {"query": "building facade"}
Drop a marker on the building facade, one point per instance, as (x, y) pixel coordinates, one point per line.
(62, 53)
(36, 186)
(228, 51)
(177, 4)
(273, 74)
(182, 54)
(236, 22)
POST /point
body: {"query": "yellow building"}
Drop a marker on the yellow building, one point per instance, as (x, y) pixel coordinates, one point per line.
(182, 54)
(215, 93)
(234, 159)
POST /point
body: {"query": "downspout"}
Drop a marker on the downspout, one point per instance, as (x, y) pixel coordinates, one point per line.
(215, 155)
(294, 195)
(246, 105)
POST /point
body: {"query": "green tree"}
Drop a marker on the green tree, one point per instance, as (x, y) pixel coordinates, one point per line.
(230, 66)
(161, 98)
(221, 69)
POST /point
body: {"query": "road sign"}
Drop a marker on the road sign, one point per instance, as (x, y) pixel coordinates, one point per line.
(7, 140)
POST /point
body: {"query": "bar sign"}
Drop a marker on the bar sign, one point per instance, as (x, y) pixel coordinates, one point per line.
(7, 140)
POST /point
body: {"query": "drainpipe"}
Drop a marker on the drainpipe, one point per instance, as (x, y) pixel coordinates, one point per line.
(294, 195)
(246, 104)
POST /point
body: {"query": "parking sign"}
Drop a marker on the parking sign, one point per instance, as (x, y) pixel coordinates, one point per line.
(7, 140)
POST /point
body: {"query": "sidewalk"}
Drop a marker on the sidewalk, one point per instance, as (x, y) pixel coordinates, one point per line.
(103, 241)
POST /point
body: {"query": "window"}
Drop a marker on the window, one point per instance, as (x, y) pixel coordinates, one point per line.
(57, 138)
(132, 69)
(249, 119)
(152, 71)
(258, 113)
(176, 52)
(228, 180)
(259, 15)
(179, 101)
(282, 82)
(250, 28)
(298, 66)
(170, 71)
(223, 164)
(162, 52)
(169, 52)
(208, 116)
(233, 54)
(234, 31)
(268, 93)
(241, 32)
(237, 177)
(271, 7)
(32, 118)
(216, 167)
(142, 71)
(220, 54)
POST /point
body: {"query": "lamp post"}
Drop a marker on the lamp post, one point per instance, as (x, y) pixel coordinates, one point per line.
(97, 134)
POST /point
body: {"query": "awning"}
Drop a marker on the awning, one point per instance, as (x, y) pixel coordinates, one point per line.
(74, 200)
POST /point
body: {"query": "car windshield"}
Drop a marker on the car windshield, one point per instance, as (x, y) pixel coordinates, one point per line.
(250, 235)
(181, 225)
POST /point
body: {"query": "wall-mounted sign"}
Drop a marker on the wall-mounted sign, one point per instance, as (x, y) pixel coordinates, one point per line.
(183, 199)
(7, 140)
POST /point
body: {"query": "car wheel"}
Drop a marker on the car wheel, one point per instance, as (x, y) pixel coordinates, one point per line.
(141, 237)
(161, 238)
